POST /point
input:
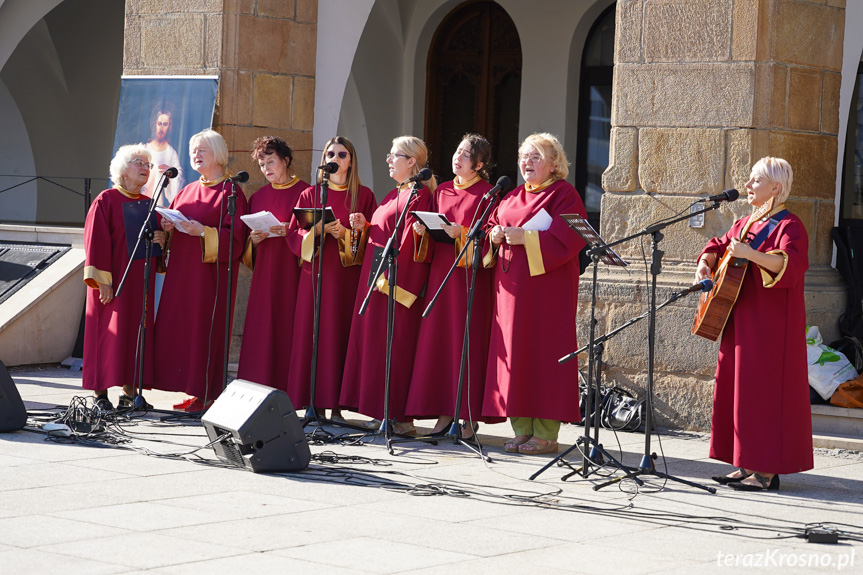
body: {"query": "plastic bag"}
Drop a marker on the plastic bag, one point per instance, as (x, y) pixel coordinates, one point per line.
(827, 367)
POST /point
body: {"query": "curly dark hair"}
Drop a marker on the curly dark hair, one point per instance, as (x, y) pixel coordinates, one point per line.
(266, 145)
(480, 151)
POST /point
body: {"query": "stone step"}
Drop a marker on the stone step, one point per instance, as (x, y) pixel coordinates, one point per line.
(837, 427)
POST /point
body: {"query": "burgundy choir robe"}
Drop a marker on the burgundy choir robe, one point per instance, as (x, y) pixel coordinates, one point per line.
(533, 322)
(434, 384)
(341, 276)
(111, 331)
(190, 329)
(268, 332)
(365, 366)
(761, 414)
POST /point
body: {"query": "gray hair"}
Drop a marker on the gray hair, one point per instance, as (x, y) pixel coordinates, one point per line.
(122, 158)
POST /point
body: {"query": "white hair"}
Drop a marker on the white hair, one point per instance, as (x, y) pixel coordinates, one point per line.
(122, 158)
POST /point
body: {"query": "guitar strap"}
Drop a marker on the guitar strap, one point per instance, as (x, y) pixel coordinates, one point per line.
(761, 236)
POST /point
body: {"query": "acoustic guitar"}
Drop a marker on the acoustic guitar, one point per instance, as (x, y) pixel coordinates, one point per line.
(714, 307)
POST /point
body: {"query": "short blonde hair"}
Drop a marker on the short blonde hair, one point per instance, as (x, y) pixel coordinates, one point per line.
(413, 147)
(549, 146)
(776, 170)
(216, 142)
(121, 160)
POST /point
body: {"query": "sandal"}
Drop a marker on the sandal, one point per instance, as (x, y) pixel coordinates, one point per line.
(766, 485)
(513, 444)
(404, 428)
(725, 480)
(534, 447)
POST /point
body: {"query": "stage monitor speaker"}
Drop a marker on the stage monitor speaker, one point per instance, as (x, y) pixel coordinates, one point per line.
(262, 428)
(13, 415)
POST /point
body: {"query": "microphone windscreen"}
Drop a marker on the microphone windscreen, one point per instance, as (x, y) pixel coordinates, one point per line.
(707, 282)
(241, 177)
(425, 174)
(732, 194)
(172, 172)
(503, 183)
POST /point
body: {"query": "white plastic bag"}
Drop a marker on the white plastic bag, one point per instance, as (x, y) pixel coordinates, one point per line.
(827, 367)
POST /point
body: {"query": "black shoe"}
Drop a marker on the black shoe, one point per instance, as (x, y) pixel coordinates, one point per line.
(725, 480)
(127, 402)
(472, 436)
(773, 485)
(103, 403)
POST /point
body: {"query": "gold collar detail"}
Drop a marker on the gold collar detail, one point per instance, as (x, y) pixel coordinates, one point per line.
(287, 184)
(465, 185)
(542, 186)
(210, 184)
(127, 193)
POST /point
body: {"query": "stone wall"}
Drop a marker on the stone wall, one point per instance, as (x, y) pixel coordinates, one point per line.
(702, 90)
(263, 52)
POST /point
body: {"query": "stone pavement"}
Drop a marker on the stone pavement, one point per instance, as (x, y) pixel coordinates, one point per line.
(77, 509)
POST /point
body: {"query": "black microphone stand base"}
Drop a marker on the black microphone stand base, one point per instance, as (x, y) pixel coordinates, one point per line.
(312, 419)
(470, 443)
(648, 468)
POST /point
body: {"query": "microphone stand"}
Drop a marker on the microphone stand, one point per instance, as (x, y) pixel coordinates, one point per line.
(390, 258)
(146, 234)
(647, 467)
(475, 236)
(232, 212)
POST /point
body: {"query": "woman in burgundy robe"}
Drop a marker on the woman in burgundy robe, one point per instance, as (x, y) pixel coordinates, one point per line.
(365, 366)
(111, 326)
(535, 258)
(267, 333)
(434, 384)
(190, 330)
(761, 415)
(343, 256)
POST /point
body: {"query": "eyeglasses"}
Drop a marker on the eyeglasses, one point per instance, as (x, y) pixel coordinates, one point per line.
(342, 155)
(530, 158)
(393, 156)
(141, 163)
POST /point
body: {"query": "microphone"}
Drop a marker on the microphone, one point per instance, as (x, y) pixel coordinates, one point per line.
(329, 168)
(171, 172)
(422, 176)
(502, 186)
(726, 196)
(241, 177)
(704, 285)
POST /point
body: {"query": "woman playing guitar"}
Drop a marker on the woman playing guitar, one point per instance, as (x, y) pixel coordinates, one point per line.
(761, 416)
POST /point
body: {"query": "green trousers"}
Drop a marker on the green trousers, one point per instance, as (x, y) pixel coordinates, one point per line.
(546, 429)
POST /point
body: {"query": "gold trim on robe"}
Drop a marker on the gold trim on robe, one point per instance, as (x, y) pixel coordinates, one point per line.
(93, 276)
(345, 253)
(490, 258)
(210, 245)
(211, 183)
(338, 187)
(421, 247)
(467, 184)
(287, 184)
(308, 246)
(249, 254)
(402, 296)
(766, 277)
(534, 253)
(127, 193)
(533, 189)
(459, 244)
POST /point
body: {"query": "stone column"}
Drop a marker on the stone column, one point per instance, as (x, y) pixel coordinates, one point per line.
(263, 52)
(702, 90)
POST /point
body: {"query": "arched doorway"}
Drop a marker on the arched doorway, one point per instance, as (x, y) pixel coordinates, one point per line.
(594, 113)
(474, 85)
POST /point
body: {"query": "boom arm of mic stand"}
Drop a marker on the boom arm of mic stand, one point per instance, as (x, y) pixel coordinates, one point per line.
(472, 234)
(144, 227)
(653, 228)
(388, 248)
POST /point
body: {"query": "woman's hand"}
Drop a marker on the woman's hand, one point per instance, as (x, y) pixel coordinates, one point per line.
(257, 236)
(280, 230)
(740, 249)
(194, 228)
(334, 229)
(167, 225)
(496, 235)
(705, 266)
(357, 221)
(419, 229)
(106, 293)
(514, 236)
(452, 231)
(159, 238)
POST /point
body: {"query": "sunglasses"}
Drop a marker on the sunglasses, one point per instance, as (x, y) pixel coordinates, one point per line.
(342, 155)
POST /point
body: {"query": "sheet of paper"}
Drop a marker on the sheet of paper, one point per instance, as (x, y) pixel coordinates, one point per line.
(261, 222)
(432, 220)
(539, 222)
(176, 217)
